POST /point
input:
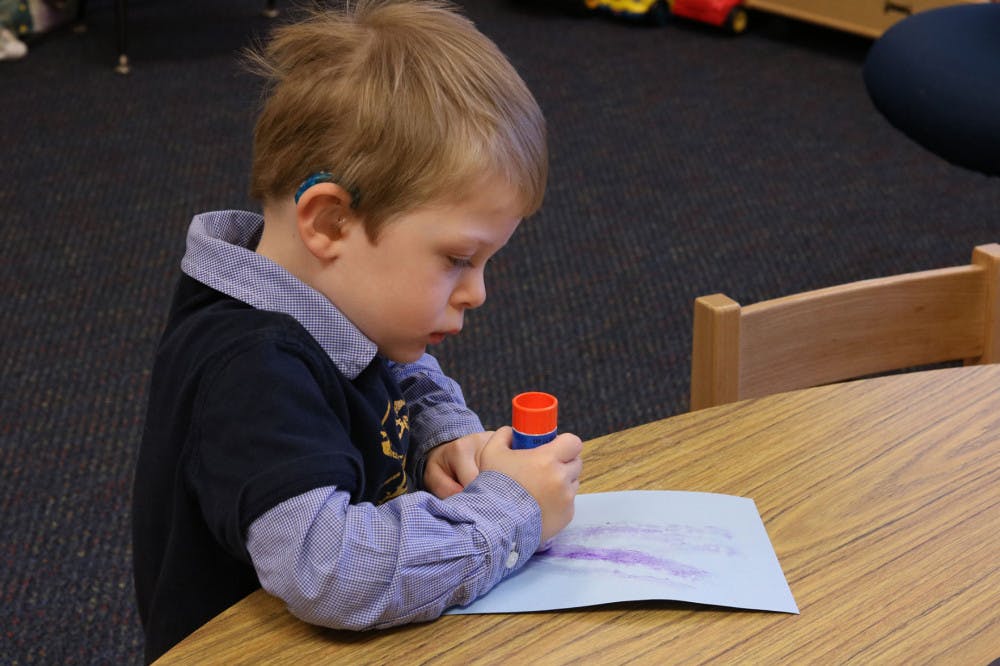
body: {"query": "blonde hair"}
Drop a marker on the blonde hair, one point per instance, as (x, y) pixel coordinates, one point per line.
(405, 103)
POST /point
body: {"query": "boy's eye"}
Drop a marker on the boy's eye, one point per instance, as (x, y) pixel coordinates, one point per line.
(460, 262)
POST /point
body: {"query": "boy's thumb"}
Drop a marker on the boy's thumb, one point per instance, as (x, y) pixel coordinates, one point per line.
(503, 438)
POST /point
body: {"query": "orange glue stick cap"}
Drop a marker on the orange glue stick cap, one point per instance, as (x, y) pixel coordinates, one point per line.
(535, 413)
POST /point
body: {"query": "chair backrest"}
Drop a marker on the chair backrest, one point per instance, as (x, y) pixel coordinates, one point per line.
(848, 331)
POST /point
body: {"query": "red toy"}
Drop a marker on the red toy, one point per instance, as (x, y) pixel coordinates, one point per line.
(728, 14)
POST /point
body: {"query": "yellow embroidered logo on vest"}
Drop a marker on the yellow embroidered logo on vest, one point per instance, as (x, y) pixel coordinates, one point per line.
(398, 483)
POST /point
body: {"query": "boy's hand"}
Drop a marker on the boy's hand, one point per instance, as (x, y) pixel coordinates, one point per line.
(453, 465)
(551, 473)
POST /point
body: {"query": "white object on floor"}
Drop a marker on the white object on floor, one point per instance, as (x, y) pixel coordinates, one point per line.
(11, 48)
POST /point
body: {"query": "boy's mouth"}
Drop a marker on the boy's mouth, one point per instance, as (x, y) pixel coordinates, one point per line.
(438, 337)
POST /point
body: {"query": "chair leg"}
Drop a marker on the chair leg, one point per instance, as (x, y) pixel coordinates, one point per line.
(121, 28)
(79, 23)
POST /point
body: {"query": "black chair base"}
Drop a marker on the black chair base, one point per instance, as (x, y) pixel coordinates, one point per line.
(935, 77)
(121, 28)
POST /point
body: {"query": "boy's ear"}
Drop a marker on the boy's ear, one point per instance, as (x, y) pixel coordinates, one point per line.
(322, 212)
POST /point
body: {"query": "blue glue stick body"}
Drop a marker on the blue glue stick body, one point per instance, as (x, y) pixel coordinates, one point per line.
(535, 418)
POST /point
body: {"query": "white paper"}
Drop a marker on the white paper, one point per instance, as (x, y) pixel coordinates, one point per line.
(638, 545)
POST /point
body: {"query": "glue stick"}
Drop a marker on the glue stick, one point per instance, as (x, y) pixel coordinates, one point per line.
(534, 419)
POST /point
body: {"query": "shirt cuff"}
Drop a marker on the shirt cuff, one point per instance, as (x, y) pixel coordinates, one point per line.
(513, 530)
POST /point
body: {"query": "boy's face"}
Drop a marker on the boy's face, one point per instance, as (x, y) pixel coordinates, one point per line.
(412, 286)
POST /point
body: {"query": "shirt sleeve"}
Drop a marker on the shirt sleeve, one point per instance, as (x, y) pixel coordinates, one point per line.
(361, 566)
(268, 425)
(437, 409)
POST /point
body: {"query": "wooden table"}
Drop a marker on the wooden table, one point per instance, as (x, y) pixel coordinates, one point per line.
(882, 500)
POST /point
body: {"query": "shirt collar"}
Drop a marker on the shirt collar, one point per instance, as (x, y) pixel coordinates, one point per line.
(220, 254)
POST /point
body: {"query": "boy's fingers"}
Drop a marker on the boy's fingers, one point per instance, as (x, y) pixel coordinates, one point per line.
(500, 439)
(440, 484)
(568, 447)
(576, 467)
(466, 470)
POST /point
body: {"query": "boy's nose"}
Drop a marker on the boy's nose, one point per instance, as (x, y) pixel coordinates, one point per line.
(471, 291)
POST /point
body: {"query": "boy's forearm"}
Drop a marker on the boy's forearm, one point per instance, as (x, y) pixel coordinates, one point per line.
(405, 561)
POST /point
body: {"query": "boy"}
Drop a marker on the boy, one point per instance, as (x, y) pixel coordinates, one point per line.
(292, 406)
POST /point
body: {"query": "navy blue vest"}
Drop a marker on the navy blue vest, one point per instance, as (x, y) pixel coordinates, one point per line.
(245, 411)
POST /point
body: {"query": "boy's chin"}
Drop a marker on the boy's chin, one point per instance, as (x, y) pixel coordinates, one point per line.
(403, 356)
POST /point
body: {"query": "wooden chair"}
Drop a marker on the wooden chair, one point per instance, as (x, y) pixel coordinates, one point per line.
(848, 331)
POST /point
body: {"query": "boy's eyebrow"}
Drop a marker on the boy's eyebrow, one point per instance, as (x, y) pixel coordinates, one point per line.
(473, 246)
(482, 241)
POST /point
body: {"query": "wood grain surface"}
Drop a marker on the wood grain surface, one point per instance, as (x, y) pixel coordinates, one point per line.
(881, 498)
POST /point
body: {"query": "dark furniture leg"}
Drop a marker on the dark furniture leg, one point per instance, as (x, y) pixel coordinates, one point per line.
(121, 30)
(81, 10)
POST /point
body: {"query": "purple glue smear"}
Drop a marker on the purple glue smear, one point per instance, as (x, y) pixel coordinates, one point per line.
(592, 544)
(631, 558)
(678, 535)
